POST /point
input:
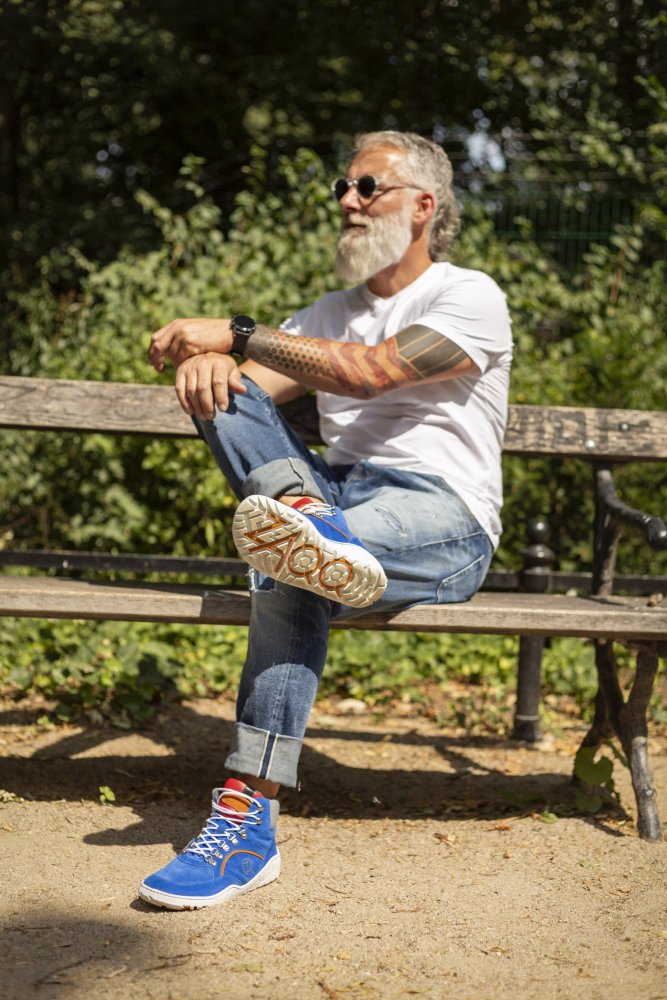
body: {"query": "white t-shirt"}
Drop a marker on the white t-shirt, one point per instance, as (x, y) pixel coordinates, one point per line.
(453, 429)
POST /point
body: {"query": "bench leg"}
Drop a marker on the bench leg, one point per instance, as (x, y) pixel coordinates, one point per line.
(601, 728)
(528, 689)
(628, 720)
(635, 743)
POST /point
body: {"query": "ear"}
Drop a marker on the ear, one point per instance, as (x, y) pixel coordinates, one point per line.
(424, 207)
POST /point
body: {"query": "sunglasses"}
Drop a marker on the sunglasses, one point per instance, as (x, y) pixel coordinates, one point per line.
(366, 186)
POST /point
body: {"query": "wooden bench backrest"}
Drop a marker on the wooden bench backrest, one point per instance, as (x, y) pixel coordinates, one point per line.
(126, 408)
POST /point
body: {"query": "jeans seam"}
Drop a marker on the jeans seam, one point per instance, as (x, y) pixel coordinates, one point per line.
(444, 541)
(287, 675)
(447, 580)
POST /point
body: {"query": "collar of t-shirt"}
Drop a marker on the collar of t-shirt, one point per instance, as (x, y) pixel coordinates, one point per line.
(377, 303)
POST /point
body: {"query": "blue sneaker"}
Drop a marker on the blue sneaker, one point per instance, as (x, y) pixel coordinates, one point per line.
(308, 546)
(235, 852)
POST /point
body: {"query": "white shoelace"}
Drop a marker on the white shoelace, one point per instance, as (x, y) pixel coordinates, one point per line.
(317, 509)
(212, 837)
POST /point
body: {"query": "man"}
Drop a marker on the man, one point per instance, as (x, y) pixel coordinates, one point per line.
(411, 368)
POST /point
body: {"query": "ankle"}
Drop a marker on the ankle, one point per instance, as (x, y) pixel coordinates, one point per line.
(291, 501)
(269, 789)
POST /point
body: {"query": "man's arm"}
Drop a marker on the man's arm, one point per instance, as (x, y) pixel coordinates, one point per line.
(198, 349)
(204, 381)
(284, 364)
(415, 354)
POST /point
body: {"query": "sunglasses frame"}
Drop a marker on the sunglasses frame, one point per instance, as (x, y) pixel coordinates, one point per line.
(377, 181)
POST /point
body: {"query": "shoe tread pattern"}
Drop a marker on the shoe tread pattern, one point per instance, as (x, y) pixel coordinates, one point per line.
(292, 550)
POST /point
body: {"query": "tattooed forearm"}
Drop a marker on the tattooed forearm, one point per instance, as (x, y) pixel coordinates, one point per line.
(356, 370)
(425, 352)
(342, 368)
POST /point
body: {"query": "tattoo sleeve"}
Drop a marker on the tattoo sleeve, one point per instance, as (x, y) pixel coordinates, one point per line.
(426, 352)
(348, 369)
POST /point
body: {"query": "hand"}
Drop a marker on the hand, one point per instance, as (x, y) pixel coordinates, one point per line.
(185, 338)
(203, 382)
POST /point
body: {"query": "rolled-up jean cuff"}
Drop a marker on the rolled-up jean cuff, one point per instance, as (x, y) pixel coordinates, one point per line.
(284, 476)
(262, 754)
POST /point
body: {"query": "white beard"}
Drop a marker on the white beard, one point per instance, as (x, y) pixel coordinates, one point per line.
(382, 242)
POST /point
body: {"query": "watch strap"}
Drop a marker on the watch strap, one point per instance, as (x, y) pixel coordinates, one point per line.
(240, 342)
(243, 328)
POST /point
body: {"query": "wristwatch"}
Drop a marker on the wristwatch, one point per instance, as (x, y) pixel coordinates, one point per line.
(243, 328)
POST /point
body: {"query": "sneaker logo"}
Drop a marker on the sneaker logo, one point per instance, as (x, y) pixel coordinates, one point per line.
(246, 864)
(301, 560)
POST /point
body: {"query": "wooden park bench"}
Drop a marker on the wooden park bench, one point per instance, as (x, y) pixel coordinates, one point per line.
(510, 603)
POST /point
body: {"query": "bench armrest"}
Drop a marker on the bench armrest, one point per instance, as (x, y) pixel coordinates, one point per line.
(653, 528)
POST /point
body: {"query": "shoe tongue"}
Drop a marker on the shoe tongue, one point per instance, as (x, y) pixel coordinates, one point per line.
(307, 502)
(234, 801)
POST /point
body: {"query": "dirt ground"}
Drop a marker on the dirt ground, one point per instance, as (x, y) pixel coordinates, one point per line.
(416, 863)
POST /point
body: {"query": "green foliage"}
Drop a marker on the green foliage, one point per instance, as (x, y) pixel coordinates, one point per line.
(596, 778)
(106, 794)
(123, 671)
(104, 98)
(117, 670)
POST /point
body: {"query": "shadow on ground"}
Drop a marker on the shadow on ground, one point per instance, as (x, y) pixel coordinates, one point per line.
(50, 952)
(180, 758)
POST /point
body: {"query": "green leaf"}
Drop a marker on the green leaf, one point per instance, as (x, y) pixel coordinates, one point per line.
(548, 817)
(588, 802)
(593, 772)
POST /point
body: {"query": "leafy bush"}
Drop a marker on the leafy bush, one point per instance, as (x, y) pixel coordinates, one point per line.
(123, 671)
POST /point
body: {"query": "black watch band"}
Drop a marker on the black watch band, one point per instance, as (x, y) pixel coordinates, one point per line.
(243, 328)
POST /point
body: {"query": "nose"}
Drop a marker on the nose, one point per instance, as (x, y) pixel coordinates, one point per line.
(351, 202)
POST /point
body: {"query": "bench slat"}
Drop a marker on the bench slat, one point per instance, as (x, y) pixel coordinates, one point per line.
(587, 433)
(121, 407)
(487, 613)
(59, 404)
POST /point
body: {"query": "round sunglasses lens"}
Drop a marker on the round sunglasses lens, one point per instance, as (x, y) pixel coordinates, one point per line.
(366, 186)
(340, 188)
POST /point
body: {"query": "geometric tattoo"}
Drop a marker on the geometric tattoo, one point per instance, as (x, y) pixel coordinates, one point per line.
(427, 352)
(352, 369)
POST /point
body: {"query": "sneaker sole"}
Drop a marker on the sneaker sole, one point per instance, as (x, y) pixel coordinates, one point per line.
(284, 545)
(171, 901)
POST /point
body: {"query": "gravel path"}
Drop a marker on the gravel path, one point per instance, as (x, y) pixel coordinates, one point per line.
(416, 863)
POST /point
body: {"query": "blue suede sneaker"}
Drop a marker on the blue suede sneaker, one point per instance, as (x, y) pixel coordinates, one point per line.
(235, 852)
(310, 546)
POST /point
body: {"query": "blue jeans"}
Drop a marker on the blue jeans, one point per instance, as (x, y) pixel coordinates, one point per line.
(431, 548)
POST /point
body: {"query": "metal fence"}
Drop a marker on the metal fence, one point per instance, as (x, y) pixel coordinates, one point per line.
(564, 224)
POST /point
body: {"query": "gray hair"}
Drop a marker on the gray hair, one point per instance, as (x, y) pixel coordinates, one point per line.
(425, 163)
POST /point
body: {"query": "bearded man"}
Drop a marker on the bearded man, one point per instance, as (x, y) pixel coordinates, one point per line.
(411, 369)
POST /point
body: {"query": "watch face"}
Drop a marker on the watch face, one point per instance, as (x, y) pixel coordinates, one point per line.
(243, 324)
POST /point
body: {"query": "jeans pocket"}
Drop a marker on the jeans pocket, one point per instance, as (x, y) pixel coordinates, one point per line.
(461, 586)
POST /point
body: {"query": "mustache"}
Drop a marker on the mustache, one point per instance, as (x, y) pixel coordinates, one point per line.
(355, 219)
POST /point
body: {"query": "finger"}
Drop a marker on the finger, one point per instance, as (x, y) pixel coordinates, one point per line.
(191, 388)
(219, 382)
(159, 346)
(181, 390)
(236, 382)
(203, 400)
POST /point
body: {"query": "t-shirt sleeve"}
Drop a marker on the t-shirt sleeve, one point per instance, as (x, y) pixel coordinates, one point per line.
(472, 312)
(320, 319)
(293, 323)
